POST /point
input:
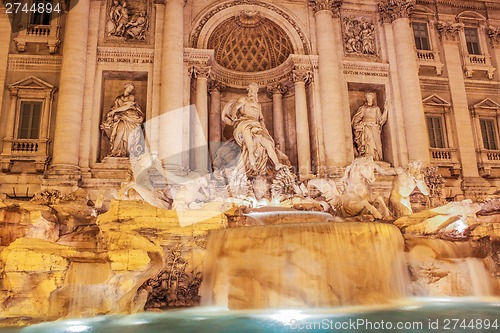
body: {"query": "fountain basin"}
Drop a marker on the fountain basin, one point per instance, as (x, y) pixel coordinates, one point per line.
(430, 316)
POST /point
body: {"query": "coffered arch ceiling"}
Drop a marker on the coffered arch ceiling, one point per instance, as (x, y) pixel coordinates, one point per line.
(263, 20)
(249, 42)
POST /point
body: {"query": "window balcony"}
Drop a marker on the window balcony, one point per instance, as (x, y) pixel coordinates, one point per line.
(446, 157)
(430, 58)
(27, 150)
(44, 34)
(478, 62)
(488, 160)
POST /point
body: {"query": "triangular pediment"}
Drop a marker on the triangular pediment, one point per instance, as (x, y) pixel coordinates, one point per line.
(436, 100)
(31, 82)
(487, 103)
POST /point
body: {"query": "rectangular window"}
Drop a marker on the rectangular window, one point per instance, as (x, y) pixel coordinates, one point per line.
(472, 40)
(41, 15)
(435, 129)
(488, 133)
(29, 120)
(421, 36)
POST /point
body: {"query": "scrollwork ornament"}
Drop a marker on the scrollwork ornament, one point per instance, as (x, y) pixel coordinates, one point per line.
(302, 75)
(331, 5)
(278, 88)
(215, 85)
(200, 72)
(391, 10)
(449, 30)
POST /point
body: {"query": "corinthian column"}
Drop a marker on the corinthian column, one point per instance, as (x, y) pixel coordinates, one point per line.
(172, 87)
(200, 135)
(300, 79)
(397, 12)
(215, 126)
(71, 91)
(277, 91)
(335, 120)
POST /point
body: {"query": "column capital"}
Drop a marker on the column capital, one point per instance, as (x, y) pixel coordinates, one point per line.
(215, 86)
(277, 88)
(199, 71)
(166, 1)
(494, 34)
(302, 75)
(391, 10)
(448, 31)
(328, 5)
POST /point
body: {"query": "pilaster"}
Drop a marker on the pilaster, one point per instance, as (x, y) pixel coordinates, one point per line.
(449, 32)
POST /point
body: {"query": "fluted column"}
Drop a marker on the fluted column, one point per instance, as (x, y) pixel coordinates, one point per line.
(71, 90)
(277, 91)
(172, 88)
(397, 12)
(335, 122)
(300, 79)
(200, 133)
(466, 145)
(215, 126)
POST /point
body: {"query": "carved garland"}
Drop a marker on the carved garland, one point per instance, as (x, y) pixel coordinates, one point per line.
(224, 6)
(391, 10)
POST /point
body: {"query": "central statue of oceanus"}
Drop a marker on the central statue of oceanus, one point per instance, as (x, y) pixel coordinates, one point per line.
(250, 133)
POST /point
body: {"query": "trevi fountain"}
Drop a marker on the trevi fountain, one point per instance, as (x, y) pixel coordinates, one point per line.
(250, 246)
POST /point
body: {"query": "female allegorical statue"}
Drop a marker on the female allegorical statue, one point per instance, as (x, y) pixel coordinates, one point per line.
(367, 128)
(123, 118)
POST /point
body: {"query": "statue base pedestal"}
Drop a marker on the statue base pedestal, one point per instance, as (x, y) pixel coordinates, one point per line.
(112, 168)
(383, 164)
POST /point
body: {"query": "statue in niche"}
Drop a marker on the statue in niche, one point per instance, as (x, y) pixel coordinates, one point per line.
(359, 36)
(367, 125)
(250, 133)
(403, 186)
(123, 118)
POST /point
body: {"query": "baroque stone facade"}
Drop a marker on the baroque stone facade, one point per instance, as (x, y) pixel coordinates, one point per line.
(432, 63)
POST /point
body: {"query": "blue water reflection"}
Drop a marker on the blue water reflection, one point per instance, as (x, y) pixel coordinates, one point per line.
(438, 316)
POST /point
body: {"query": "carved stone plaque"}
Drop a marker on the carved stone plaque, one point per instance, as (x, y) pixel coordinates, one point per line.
(128, 21)
(359, 36)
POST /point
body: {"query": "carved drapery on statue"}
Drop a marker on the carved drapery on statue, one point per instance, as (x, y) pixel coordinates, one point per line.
(250, 133)
(127, 20)
(367, 125)
(123, 118)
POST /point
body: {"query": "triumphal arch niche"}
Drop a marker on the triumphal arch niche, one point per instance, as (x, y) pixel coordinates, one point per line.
(234, 44)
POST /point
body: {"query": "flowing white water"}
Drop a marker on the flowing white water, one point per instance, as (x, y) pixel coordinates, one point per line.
(443, 268)
(304, 265)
